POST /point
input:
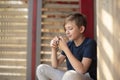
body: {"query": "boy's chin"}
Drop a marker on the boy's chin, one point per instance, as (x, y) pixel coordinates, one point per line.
(70, 39)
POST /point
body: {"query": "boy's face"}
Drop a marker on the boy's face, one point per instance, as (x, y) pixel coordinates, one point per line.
(72, 30)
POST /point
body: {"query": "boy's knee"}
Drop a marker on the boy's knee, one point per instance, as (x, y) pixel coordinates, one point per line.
(71, 75)
(67, 75)
(40, 68)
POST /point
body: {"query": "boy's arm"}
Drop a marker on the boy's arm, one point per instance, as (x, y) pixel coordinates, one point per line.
(80, 67)
(56, 60)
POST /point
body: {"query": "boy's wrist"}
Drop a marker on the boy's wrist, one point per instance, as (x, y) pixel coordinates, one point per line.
(65, 48)
(54, 49)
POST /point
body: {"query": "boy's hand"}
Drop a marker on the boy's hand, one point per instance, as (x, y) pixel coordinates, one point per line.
(62, 43)
(54, 42)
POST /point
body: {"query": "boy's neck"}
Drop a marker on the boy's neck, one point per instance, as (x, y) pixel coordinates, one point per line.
(79, 41)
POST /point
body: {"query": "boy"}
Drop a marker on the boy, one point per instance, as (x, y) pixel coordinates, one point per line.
(79, 52)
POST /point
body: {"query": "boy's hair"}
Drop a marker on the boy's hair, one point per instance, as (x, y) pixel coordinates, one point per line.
(80, 19)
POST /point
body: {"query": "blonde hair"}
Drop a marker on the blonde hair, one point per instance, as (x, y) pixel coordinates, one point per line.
(79, 19)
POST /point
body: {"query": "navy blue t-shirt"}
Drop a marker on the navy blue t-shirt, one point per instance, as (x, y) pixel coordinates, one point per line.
(86, 49)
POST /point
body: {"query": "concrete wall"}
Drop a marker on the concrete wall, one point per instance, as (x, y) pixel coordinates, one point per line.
(108, 39)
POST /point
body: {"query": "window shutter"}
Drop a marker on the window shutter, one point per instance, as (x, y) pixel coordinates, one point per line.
(13, 37)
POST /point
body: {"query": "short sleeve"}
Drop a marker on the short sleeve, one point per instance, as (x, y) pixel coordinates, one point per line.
(90, 49)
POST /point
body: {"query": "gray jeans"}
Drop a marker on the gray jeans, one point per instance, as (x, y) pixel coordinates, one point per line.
(46, 72)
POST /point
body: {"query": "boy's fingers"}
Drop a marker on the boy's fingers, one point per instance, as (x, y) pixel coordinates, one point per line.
(60, 38)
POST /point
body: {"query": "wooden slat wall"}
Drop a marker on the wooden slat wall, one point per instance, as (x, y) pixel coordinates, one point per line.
(13, 37)
(53, 14)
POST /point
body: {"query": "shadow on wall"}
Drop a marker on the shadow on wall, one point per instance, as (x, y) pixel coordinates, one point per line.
(108, 44)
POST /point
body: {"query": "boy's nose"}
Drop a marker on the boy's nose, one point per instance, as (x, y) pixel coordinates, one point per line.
(67, 32)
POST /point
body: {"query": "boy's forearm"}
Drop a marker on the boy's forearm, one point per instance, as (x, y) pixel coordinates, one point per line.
(54, 58)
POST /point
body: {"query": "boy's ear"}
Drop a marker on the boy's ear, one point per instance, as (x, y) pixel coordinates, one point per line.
(82, 29)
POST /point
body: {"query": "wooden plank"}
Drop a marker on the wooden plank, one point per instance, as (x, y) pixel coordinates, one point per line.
(13, 6)
(13, 22)
(13, 41)
(45, 48)
(59, 9)
(13, 2)
(7, 33)
(51, 27)
(13, 31)
(12, 63)
(50, 24)
(52, 30)
(14, 10)
(63, 0)
(12, 13)
(51, 5)
(51, 34)
(12, 70)
(47, 56)
(60, 2)
(53, 18)
(55, 13)
(43, 41)
(8, 55)
(15, 27)
(9, 45)
(7, 76)
(23, 20)
(12, 49)
(13, 52)
(12, 38)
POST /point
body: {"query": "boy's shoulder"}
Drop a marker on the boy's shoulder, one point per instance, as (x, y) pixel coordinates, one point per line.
(87, 41)
(90, 41)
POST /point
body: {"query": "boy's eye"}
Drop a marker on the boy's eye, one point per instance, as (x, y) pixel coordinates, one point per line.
(70, 28)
